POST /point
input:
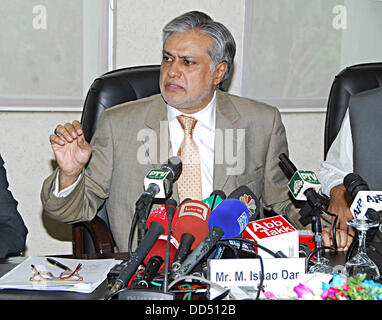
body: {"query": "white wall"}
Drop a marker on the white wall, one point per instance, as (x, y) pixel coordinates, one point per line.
(305, 133)
(24, 136)
(25, 148)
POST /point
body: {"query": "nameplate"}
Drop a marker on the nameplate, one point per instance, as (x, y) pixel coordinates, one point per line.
(247, 272)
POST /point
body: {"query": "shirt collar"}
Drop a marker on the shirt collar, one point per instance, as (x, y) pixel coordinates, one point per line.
(206, 116)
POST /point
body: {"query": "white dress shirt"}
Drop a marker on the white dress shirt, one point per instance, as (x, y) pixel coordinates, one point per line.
(339, 159)
(203, 135)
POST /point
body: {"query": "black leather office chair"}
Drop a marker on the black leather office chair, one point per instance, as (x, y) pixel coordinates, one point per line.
(108, 90)
(350, 81)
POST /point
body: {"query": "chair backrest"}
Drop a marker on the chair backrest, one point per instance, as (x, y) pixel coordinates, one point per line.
(116, 87)
(350, 81)
(112, 88)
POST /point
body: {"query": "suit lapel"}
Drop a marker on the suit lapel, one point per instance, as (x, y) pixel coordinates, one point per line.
(226, 116)
(156, 120)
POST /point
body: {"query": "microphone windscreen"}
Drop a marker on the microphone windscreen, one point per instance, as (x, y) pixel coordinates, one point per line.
(244, 194)
(175, 166)
(159, 249)
(354, 183)
(231, 215)
(159, 215)
(192, 217)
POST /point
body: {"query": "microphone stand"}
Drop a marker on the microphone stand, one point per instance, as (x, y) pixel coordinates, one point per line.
(142, 209)
(320, 264)
(148, 294)
(170, 209)
(310, 210)
(136, 293)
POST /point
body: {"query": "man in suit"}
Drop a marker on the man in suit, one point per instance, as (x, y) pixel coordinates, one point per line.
(13, 232)
(197, 57)
(357, 148)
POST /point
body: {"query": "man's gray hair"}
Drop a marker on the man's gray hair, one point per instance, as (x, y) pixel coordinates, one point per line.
(224, 47)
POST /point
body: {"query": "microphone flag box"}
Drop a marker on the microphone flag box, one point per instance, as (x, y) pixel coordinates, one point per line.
(274, 233)
(301, 181)
(364, 200)
(159, 177)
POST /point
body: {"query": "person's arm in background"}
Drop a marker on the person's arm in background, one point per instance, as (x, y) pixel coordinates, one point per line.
(338, 163)
(13, 232)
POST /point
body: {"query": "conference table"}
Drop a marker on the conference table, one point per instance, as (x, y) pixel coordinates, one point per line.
(99, 293)
(374, 250)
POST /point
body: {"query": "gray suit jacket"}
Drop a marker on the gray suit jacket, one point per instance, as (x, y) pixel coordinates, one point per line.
(365, 114)
(115, 175)
(13, 231)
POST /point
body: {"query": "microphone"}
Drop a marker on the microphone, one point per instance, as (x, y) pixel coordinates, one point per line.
(192, 215)
(229, 219)
(151, 270)
(303, 185)
(214, 199)
(244, 194)
(158, 183)
(183, 250)
(354, 183)
(160, 248)
(210, 240)
(366, 202)
(235, 248)
(232, 216)
(137, 257)
(367, 205)
(159, 214)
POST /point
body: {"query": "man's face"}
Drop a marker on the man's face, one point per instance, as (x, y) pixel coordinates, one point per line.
(187, 82)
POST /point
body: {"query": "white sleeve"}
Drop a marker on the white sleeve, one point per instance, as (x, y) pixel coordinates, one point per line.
(63, 193)
(339, 159)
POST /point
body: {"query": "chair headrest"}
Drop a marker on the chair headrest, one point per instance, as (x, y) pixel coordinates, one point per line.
(116, 87)
(352, 80)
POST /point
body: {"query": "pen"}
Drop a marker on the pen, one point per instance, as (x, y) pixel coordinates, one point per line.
(58, 264)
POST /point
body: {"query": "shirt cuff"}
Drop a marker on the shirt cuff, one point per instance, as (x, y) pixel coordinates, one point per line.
(65, 192)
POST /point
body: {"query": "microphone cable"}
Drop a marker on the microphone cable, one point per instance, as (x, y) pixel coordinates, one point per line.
(131, 233)
(170, 211)
(334, 227)
(204, 280)
(226, 292)
(277, 254)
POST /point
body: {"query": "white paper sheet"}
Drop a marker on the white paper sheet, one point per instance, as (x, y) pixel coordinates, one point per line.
(93, 271)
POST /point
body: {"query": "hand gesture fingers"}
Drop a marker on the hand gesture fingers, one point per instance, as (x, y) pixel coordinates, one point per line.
(71, 150)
